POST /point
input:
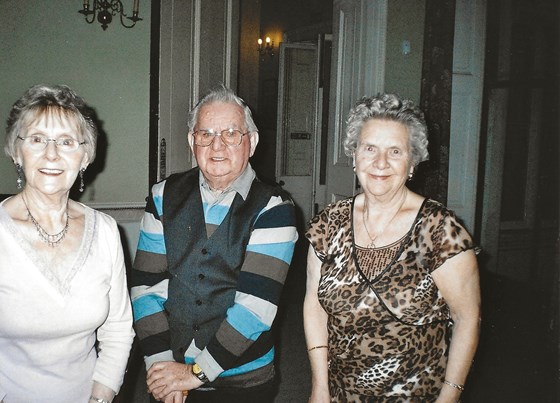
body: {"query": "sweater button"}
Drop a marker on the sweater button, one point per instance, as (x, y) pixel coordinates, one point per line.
(196, 328)
(201, 276)
(204, 251)
(198, 302)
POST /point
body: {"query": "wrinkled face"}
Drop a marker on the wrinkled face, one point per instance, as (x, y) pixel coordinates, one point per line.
(50, 171)
(221, 164)
(383, 159)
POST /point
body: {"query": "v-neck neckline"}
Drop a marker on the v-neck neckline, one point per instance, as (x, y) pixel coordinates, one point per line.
(73, 266)
(404, 241)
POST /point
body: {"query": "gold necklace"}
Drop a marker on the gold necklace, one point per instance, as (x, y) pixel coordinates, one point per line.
(51, 240)
(371, 245)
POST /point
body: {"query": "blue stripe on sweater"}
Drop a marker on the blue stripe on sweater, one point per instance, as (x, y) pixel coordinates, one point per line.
(242, 369)
(251, 366)
(147, 305)
(158, 202)
(215, 214)
(245, 322)
(151, 243)
(279, 250)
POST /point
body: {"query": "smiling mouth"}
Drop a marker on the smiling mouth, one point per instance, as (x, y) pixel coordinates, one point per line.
(50, 171)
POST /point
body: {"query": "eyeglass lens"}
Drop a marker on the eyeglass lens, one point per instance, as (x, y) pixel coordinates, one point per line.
(39, 143)
(230, 137)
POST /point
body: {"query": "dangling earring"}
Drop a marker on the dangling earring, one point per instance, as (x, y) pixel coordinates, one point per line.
(19, 180)
(410, 176)
(82, 180)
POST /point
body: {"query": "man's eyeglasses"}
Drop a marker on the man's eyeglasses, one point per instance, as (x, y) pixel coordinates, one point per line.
(37, 142)
(230, 137)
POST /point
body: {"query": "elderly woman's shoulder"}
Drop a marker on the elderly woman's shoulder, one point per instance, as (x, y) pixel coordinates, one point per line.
(437, 207)
(438, 211)
(342, 204)
(336, 209)
(83, 210)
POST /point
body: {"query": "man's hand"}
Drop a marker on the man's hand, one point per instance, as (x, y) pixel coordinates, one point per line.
(175, 397)
(166, 377)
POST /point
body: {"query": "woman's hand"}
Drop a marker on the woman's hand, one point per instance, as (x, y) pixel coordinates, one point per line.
(458, 281)
(168, 377)
(315, 326)
(319, 395)
(102, 392)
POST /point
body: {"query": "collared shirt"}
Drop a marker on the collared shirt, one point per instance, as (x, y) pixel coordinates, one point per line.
(242, 185)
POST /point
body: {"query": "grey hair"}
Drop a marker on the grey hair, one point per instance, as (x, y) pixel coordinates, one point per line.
(59, 101)
(388, 107)
(222, 94)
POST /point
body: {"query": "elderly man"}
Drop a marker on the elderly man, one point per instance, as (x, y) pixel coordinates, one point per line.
(214, 250)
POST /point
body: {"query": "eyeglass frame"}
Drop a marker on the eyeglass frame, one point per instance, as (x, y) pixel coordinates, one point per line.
(47, 139)
(216, 133)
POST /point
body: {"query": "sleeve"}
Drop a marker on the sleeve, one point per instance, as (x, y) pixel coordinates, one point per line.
(449, 239)
(267, 260)
(115, 336)
(149, 283)
(317, 233)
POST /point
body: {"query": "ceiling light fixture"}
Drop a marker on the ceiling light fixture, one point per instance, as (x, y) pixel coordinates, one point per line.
(104, 10)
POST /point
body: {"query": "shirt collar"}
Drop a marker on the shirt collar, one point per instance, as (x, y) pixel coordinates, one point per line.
(242, 184)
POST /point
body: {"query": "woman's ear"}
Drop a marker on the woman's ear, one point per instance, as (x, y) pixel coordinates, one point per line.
(85, 161)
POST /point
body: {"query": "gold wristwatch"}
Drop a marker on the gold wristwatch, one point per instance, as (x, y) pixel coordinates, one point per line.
(197, 371)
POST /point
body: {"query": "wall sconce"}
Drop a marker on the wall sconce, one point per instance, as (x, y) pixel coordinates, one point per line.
(106, 9)
(267, 49)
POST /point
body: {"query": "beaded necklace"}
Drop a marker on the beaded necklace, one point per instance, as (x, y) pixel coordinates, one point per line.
(51, 240)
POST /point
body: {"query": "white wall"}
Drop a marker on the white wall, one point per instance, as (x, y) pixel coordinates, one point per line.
(49, 42)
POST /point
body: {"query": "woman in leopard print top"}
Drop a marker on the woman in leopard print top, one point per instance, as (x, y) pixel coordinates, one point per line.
(392, 307)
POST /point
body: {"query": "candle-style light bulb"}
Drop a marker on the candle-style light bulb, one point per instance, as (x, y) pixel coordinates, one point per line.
(268, 40)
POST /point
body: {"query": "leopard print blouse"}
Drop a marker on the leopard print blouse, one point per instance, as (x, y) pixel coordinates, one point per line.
(388, 336)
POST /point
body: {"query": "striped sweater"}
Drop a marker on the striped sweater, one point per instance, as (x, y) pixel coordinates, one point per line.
(252, 311)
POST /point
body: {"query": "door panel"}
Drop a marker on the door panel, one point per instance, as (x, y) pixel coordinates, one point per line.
(519, 220)
(298, 114)
(466, 106)
(359, 31)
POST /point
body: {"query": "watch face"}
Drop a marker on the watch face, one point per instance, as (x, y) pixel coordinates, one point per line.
(197, 371)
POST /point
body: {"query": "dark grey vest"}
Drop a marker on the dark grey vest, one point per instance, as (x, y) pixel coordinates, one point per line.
(204, 271)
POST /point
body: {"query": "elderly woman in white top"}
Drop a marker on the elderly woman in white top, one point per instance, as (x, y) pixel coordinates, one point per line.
(65, 315)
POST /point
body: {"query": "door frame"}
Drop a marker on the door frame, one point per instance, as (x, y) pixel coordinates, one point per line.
(317, 118)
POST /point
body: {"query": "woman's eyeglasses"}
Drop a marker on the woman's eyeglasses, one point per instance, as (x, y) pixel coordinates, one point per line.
(37, 143)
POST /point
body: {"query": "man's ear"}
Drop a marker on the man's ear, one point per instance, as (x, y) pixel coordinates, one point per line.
(254, 138)
(190, 139)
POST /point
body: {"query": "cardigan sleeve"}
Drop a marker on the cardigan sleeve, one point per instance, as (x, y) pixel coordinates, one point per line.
(149, 283)
(264, 270)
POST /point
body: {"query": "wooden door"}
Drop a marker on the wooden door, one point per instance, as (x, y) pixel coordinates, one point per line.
(298, 140)
(359, 31)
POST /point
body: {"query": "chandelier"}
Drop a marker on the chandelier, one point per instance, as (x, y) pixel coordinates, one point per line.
(104, 10)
